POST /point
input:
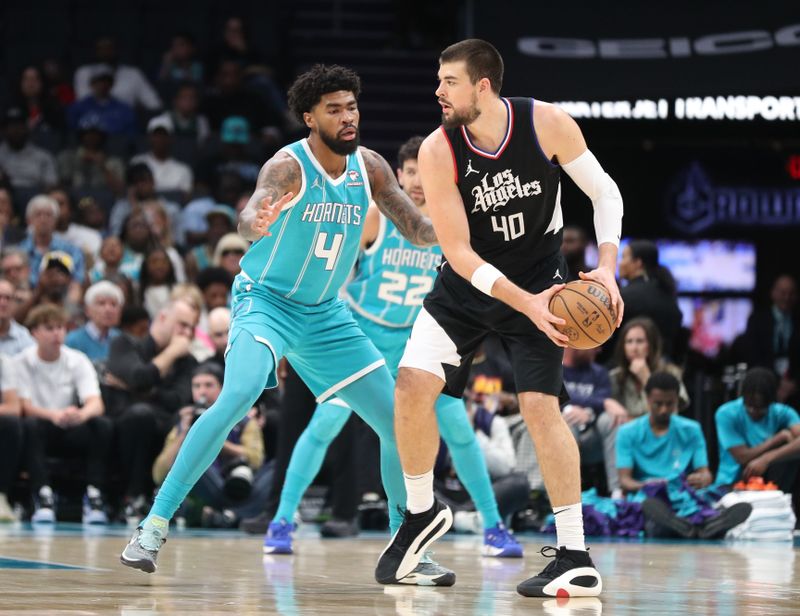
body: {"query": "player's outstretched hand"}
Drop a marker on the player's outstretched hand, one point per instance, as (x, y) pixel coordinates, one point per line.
(268, 213)
(538, 311)
(605, 277)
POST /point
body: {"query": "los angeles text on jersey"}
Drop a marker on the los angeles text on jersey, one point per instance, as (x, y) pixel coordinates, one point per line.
(410, 257)
(339, 213)
(504, 187)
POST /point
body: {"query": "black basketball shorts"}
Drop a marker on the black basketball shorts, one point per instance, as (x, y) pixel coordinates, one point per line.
(456, 317)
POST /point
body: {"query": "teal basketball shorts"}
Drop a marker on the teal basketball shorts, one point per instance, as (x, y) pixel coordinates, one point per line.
(323, 342)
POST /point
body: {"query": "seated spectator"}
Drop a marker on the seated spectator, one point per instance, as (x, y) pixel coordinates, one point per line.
(42, 110)
(141, 192)
(232, 97)
(180, 64)
(135, 321)
(17, 270)
(103, 301)
(758, 437)
(117, 117)
(27, 166)
(229, 251)
(63, 414)
(219, 323)
(638, 355)
(233, 156)
(10, 233)
(58, 86)
(772, 338)
(186, 119)
(215, 284)
(10, 431)
(87, 239)
(162, 230)
(169, 174)
(237, 482)
(90, 165)
(14, 337)
(592, 414)
(109, 266)
(573, 246)
(651, 291)
(662, 446)
(42, 217)
(130, 85)
(55, 285)
(219, 221)
(146, 381)
(156, 280)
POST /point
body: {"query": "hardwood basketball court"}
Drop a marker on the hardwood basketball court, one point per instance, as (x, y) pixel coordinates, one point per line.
(75, 570)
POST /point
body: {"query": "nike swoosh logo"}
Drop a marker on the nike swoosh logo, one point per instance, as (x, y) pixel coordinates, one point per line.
(561, 511)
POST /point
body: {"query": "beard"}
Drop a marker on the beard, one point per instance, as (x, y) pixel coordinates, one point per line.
(340, 146)
(462, 118)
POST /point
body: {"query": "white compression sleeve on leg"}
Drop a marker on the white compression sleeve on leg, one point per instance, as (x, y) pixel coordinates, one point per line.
(587, 173)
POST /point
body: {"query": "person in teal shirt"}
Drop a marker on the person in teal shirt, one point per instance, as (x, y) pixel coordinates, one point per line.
(661, 445)
(757, 435)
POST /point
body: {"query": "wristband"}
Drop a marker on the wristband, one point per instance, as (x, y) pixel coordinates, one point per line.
(484, 277)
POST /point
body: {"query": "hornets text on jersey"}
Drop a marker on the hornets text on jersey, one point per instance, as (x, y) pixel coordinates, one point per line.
(315, 239)
(392, 278)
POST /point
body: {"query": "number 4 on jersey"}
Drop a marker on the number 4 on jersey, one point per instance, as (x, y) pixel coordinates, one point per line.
(511, 227)
(329, 254)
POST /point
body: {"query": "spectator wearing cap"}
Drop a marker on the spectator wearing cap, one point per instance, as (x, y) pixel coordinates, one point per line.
(55, 284)
(26, 165)
(103, 301)
(229, 251)
(233, 156)
(117, 117)
(170, 175)
(13, 336)
(87, 239)
(63, 413)
(219, 220)
(89, 165)
(42, 215)
(130, 85)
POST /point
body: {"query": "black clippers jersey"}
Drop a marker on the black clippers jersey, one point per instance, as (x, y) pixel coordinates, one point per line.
(513, 197)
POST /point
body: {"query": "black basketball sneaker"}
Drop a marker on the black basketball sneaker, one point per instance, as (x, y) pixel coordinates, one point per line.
(409, 543)
(571, 573)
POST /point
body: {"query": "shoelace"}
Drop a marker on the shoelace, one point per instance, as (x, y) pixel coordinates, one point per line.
(283, 530)
(502, 534)
(146, 536)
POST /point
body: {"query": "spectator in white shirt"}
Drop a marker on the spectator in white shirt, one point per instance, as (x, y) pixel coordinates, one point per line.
(63, 412)
(170, 175)
(26, 165)
(130, 84)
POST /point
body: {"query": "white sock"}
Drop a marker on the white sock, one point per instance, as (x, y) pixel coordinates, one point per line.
(419, 490)
(569, 526)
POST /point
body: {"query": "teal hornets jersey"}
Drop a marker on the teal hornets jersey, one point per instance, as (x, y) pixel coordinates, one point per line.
(392, 278)
(315, 239)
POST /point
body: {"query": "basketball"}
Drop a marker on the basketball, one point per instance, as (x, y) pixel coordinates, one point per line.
(586, 308)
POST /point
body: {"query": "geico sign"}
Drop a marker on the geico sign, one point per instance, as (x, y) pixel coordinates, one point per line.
(673, 47)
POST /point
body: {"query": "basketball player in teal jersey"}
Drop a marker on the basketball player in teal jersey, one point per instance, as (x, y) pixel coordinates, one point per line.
(305, 220)
(392, 278)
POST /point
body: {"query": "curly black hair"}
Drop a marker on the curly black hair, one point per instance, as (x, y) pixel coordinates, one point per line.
(308, 88)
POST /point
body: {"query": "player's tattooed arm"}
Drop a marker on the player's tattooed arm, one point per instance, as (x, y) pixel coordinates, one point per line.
(278, 181)
(396, 204)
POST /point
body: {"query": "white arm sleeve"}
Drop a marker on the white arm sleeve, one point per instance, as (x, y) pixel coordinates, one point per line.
(587, 173)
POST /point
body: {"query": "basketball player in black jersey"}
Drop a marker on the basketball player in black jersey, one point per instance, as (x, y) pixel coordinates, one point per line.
(491, 175)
